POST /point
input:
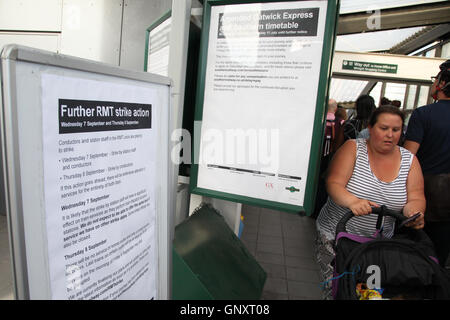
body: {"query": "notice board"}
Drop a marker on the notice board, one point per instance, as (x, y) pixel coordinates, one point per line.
(261, 101)
(86, 150)
(157, 51)
(157, 45)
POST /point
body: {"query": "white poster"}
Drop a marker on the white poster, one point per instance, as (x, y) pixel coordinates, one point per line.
(99, 179)
(158, 49)
(261, 85)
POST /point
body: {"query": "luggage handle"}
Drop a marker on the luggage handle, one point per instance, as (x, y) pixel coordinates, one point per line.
(380, 211)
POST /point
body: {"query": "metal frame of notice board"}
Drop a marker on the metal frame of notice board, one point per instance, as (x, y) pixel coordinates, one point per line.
(26, 81)
(191, 51)
(225, 28)
(148, 31)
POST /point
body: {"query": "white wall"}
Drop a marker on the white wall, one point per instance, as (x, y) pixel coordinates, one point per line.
(31, 23)
(92, 29)
(110, 31)
(30, 15)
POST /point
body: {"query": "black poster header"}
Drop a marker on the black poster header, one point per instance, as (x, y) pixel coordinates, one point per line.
(77, 116)
(269, 23)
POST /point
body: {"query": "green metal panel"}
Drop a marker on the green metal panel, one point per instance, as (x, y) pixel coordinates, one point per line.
(222, 265)
(319, 119)
(185, 284)
(321, 106)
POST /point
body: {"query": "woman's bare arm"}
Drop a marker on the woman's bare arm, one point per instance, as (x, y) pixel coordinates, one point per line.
(340, 171)
(415, 192)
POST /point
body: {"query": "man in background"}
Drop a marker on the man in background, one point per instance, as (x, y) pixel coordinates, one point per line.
(428, 136)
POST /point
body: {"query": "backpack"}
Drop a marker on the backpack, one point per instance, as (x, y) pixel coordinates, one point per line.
(329, 136)
(406, 263)
(351, 128)
(408, 268)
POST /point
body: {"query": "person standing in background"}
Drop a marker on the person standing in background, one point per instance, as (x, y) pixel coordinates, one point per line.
(428, 136)
(341, 117)
(341, 113)
(330, 127)
(365, 105)
(384, 101)
(327, 153)
(396, 103)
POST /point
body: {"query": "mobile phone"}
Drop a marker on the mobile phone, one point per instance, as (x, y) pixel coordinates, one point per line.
(410, 219)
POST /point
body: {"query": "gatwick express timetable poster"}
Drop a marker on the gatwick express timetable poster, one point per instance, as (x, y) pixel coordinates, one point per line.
(262, 75)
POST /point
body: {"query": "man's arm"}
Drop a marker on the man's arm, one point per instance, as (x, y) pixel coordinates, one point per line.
(414, 132)
(411, 146)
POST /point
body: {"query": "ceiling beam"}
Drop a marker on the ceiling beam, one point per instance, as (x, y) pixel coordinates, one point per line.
(394, 18)
(421, 39)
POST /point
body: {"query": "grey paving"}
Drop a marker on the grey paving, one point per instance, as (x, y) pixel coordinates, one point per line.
(283, 244)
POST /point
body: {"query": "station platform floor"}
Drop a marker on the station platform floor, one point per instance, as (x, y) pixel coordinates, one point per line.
(283, 244)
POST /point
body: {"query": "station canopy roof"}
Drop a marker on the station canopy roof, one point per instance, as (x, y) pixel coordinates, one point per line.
(351, 6)
(379, 41)
(376, 41)
(347, 90)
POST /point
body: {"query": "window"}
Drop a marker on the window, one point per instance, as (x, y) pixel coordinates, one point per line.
(343, 90)
(376, 92)
(411, 97)
(423, 95)
(446, 51)
(431, 53)
(395, 91)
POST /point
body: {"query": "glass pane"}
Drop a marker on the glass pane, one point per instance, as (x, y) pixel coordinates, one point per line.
(348, 6)
(395, 91)
(407, 117)
(446, 51)
(431, 53)
(411, 97)
(423, 95)
(343, 90)
(376, 92)
(374, 41)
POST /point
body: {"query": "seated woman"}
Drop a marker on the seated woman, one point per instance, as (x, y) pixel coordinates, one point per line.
(367, 173)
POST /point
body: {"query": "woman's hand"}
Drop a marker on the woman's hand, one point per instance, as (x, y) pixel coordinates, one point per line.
(361, 207)
(416, 197)
(417, 223)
